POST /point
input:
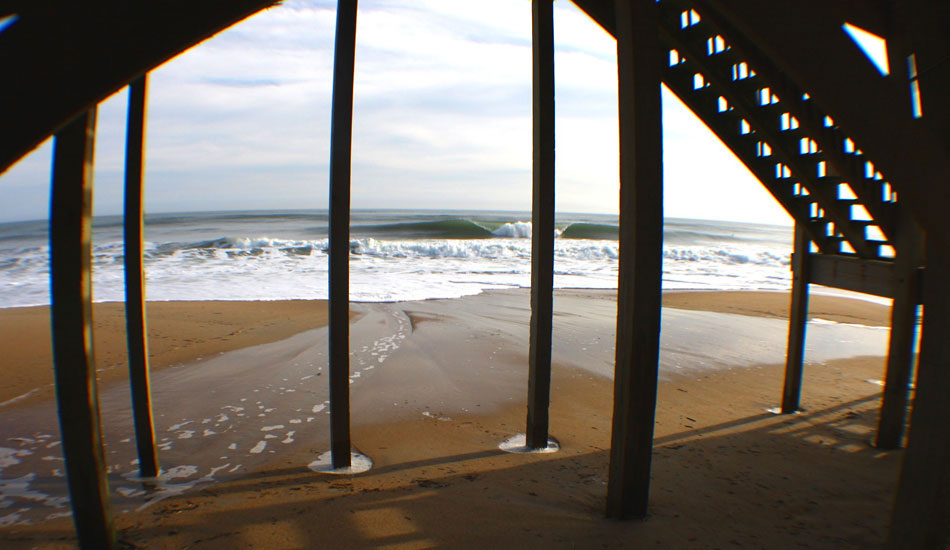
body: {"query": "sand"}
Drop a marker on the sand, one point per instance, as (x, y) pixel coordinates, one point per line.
(726, 473)
(775, 305)
(178, 332)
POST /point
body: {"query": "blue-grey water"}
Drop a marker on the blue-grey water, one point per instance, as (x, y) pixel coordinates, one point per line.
(397, 255)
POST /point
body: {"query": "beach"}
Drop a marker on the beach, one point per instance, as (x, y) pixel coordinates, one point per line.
(437, 385)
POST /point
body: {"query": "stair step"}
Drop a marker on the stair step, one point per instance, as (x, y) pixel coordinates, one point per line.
(830, 181)
(859, 223)
(847, 202)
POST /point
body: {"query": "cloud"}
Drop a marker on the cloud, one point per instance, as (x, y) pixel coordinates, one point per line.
(442, 119)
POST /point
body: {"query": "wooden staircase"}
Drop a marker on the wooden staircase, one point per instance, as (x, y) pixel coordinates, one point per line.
(772, 125)
(808, 164)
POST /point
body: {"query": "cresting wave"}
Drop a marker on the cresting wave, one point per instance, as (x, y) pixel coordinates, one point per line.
(463, 228)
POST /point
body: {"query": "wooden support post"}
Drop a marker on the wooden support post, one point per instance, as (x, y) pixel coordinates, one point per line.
(75, 372)
(900, 356)
(542, 222)
(921, 516)
(797, 321)
(136, 334)
(341, 135)
(909, 247)
(641, 249)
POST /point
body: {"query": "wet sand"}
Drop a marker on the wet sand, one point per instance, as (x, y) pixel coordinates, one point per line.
(726, 473)
(179, 332)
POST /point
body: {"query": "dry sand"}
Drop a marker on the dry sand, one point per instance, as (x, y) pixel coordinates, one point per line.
(726, 474)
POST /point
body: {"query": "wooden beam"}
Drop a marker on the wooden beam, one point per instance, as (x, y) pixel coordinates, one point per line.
(921, 516)
(927, 39)
(873, 277)
(871, 15)
(68, 56)
(900, 355)
(909, 247)
(341, 136)
(797, 321)
(542, 222)
(74, 364)
(136, 333)
(641, 248)
(601, 11)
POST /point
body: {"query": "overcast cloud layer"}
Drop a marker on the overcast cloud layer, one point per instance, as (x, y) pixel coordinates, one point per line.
(442, 120)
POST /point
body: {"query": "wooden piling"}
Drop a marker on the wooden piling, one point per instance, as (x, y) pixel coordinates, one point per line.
(921, 517)
(901, 352)
(909, 256)
(74, 364)
(542, 223)
(341, 135)
(135, 325)
(797, 322)
(641, 242)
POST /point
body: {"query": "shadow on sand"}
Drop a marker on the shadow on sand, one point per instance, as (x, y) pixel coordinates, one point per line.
(745, 483)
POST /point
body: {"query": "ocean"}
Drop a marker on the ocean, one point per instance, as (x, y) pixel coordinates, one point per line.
(396, 255)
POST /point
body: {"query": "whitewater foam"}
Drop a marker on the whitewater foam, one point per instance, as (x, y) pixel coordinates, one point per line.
(265, 257)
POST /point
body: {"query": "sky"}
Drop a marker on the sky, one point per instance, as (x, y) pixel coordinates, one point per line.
(442, 120)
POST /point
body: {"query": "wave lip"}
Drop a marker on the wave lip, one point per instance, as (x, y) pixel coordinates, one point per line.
(588, 230)
(456, 228)
(465, 228)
